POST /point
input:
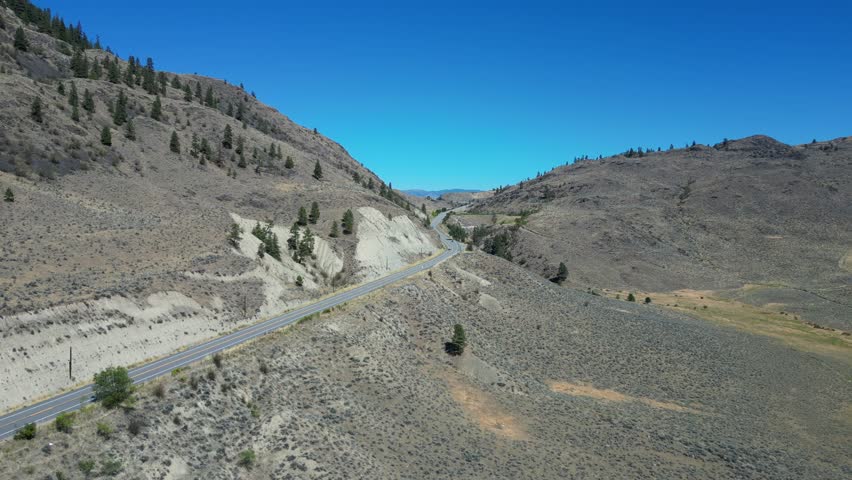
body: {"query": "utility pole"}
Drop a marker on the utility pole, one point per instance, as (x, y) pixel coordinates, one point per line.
(245, 305)
(70, 360)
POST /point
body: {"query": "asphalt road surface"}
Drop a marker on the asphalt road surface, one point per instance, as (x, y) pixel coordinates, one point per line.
(48, 409)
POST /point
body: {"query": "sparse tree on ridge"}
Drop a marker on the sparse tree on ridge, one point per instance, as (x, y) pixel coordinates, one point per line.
(317, 171)
(288, 164)
(9, 196)
(88, 101)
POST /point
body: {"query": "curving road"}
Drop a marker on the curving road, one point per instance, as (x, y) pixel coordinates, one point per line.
(48, 409)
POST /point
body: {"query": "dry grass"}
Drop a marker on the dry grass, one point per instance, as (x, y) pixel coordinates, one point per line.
(589, 391)
(759, 320)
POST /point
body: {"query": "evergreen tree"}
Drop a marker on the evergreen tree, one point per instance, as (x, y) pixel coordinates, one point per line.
(370, 184)
(73, 98)
(272, 246)
(306, 245)
(241, 110)
(106, 136)
(119, 115)
(88, 101)
(631, 297)
(288, 164)
(157, 109)
(9, 196)
(198, 91)
(315, 213)
(459, 340)
(562, 274)
(333, 233)
(129, 73)
(261, 250)
(75, 113)
(240, 144)
(129, 131)
(242, 163)
(348, 222)
(208, 97)
(21, 42)
(187, 93)
(60, 89)
(174, 143)
(293, 241)
(317, 170)
(95, 72)
(149, 79)
(228, 138)
(299, 282)
(113, 72)
(303, 217)
(35, 110)
(79, 64)
(161, 79)
(176, 82)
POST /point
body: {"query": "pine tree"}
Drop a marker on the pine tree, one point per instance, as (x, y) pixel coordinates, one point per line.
(129, 74)
(88, 101)
(21, 42)
(631, 297)
(73, 98)
(315, 213)
(299, 281)
(106, 136)
(174, 143)
(161, 79)
(129, 131)
(306, 245)
(95, 72)
(348, 222)
(157, 109)
(198, 91)
(228, 138)
(9, 196)
(149, 79)
(317, 170)
(79, 64)
(562, 274)
(240, 144)
(288, 164)
(119, 115)
(187, 93)
(293, 241)
(75, 113)
(60, 89)
(35, 110)
(241, 110)
(113, 72)
(459, 340)
(333, 233)
(176, 82)
(208, 97)
(261, 250)
(303, 217)
(242, 163)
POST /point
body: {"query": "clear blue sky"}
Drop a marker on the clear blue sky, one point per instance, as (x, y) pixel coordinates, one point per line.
(437, 95)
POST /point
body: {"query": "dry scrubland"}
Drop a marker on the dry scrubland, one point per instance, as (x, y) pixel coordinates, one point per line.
(555, 383)
(748, 211)
(121, 250)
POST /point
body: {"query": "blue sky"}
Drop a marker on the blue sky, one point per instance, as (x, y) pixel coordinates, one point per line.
(478, 94)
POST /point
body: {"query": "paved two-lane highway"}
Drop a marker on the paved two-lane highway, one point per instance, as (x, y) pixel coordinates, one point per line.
(48, 409)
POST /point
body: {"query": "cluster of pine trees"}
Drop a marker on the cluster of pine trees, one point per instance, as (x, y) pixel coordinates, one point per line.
(50, 24)
(268, 240)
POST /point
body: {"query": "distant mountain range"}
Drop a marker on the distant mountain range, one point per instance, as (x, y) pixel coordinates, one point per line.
(437, 193)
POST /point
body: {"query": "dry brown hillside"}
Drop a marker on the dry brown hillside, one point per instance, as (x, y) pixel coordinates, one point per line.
(749, 211)
(122, 250)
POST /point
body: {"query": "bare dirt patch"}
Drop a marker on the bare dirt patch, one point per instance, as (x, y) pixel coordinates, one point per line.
(485, 411)
(584, 390)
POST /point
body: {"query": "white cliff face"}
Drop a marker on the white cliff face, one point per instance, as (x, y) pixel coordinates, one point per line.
(386, 245)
